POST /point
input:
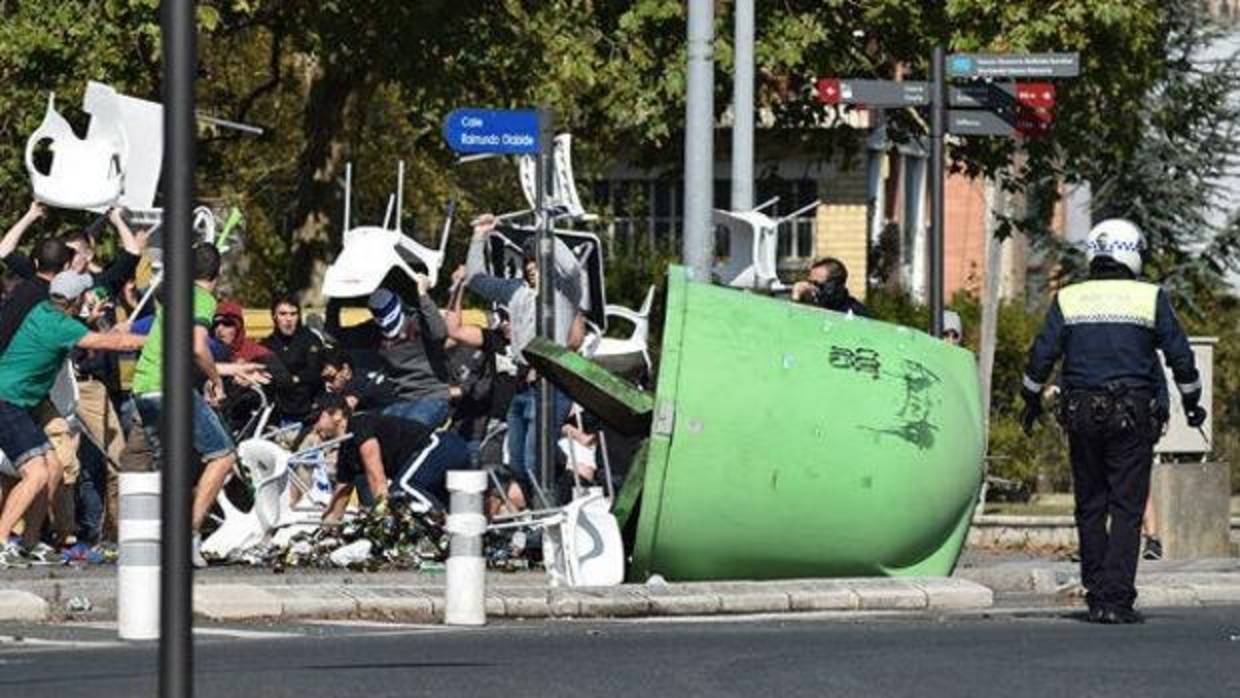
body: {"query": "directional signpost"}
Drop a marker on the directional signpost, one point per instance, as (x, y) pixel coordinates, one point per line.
(1014, 65)
(873, 93)
(990, 108)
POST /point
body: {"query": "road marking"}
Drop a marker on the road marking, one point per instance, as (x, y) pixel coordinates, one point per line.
(20, 641)
(208, 631)
(244, 634)
(377, 624)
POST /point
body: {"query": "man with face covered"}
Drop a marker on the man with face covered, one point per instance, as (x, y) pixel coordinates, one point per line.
(827, 287)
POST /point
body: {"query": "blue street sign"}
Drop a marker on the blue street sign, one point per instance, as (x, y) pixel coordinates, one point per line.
(503, 131)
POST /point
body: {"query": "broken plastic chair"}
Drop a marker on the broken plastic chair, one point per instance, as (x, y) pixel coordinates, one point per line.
(84, 173)
(616, 353)
(142, 123)
(582, 544)
(371, 252)
(753, 246)
(238, 530)
(562, 199)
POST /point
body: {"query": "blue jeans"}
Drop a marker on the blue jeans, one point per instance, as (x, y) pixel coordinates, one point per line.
(211, 440)
(523, 428)
(430, 412)
(91, 489)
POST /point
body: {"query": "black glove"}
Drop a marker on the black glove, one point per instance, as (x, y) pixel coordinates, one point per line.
(1196, 415)
(1193, 411)
(1033, 410)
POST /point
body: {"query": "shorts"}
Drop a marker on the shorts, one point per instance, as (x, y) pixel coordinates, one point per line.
(211, 440)
(20, 438)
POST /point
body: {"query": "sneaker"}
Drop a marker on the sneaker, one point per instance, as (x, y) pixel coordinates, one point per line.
(11, 557)
(195, 553)
(43, 555)
(1153, 549)
(82, 554)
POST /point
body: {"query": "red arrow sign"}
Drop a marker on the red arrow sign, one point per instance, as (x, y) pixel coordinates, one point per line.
(1035, 95)
(829, 90)
(1032, 123)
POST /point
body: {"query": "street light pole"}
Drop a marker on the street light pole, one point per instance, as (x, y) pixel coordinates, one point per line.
(742, 109)
(176, 642)
(698, 245)
(938, 128)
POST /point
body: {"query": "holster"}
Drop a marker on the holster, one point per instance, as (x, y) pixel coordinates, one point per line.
(1110, 408)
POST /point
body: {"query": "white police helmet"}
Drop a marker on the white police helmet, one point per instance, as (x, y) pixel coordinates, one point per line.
(1119, 239)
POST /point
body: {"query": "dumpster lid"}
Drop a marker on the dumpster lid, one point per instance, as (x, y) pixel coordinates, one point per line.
(616, 401)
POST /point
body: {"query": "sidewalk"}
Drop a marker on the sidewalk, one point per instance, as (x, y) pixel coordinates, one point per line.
(981, 581)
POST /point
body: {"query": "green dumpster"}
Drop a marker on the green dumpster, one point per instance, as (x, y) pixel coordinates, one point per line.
(789, 441)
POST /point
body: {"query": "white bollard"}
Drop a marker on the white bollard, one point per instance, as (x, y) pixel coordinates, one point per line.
(465, 596)
(137, 570)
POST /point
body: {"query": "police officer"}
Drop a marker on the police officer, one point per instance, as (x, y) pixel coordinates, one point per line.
(1107, 330)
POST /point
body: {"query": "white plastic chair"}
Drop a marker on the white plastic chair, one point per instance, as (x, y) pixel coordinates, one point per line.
(562, 197)
(370, 252)
(142, 123)
(753, 247)
(84, 173)
(582, 544)
(638, 341)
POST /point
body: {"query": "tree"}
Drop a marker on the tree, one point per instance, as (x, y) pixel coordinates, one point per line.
(370, 81)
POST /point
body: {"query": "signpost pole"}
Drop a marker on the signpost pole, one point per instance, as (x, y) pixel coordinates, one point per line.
(546, 306)
(176, 642)
(938, 127)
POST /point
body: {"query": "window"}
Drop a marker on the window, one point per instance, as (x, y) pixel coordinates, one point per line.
(649, 213)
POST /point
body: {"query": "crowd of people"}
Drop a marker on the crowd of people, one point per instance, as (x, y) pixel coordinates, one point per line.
(407, 395)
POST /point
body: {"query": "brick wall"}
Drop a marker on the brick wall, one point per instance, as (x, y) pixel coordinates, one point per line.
(842, 229)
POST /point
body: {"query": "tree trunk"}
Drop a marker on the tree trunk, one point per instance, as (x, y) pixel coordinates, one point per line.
(308, 230)
(996, 205)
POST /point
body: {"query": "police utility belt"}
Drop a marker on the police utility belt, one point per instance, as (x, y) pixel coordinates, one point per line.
(1114, 406)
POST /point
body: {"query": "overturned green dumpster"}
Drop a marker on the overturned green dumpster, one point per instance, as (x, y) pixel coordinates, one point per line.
(789, 441)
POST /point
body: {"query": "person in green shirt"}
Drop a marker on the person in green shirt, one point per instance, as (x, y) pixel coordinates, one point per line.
(28, 370)
(212, 441)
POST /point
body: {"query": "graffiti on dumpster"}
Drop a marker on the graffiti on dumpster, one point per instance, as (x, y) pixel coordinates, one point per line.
(914, 414)
(861, 360)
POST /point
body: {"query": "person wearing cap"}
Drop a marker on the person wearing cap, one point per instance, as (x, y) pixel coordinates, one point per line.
(299, 351)
(28, 370)
(411, 352)
(953, 332)
(387, 458)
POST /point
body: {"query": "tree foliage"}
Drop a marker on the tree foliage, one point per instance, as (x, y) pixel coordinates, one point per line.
(369, 81)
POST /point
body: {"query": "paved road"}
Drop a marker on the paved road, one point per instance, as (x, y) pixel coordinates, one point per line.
(1178, 653)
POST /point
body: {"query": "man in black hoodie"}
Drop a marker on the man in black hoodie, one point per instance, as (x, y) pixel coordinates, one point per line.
(300, 351)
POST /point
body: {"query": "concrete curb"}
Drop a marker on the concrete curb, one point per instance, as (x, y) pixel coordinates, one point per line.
(22, 606)
(232, 602)
(1168, 583)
